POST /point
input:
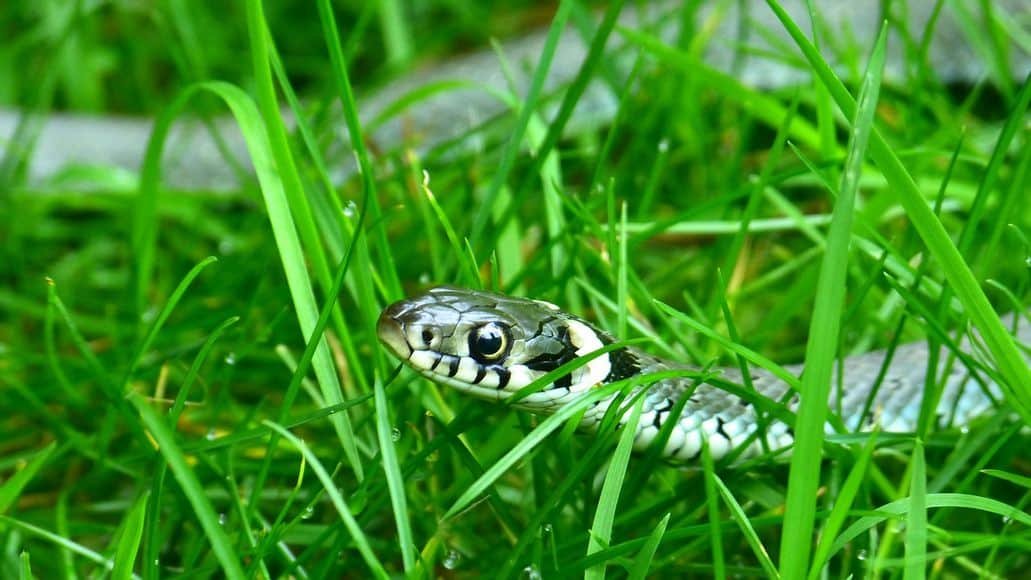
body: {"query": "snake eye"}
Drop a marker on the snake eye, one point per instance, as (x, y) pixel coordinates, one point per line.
(489, 342)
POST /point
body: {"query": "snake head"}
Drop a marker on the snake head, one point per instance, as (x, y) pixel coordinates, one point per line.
(491, 345)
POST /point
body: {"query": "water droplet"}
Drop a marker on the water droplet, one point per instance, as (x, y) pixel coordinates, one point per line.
(861, 555)
(424, 278)
(222, 519)
(211, 434)
(1006, 520)
(547, 529)
(452, 559)
(149, 314)
(226, 246)
(395, 434)
(308, 512)
(531, 573)
(350, 209)
(664, 146)
(231, 359)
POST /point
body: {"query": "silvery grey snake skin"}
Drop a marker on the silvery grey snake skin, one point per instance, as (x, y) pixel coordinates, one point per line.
(491, 345)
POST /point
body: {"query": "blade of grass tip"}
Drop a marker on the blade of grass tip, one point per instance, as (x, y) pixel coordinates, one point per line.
(622, 297)
(291, 256)
(11, 490)
(529, 106)
(69, 392)
(643, 560)
(746, 527)
(608, 500)
(934, 501)
(202, 508)
(470, 270)
(300, 371)
(166, 311)
(395, 482)
(719, 563)
(290, 214)
(195, 367)
(361, 542)
(47, 535)
(916, 519)
(1008, 358)
(1010, 477)
(330, 31)
(842, 504)
(804, 474)
(129, 542)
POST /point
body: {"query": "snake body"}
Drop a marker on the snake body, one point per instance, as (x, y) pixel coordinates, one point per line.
(491, 345)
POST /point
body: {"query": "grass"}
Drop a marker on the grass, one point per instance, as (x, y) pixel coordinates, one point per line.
(191, 382)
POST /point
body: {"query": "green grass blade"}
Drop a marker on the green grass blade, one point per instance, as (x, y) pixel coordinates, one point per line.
(11, 489)
(804, 476)
(395, 481)
(529, 107)
(129, 542)
(842, 504)
(747, 528)
(916, 519)
(358, 536)
(643, 561)
(608, 501)
(169, 448)
(934, 500)
(290, 214)
(719, 562)
(1011, 363)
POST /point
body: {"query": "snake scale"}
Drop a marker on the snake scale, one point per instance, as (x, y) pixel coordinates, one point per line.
(491, 345)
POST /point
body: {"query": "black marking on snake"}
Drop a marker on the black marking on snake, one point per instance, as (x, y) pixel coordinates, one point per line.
(481, 371)
(503, 376)
(453, 366)
(540, 325)
(550, 361)
(658, 419)
(564, 382)
(440, 357)
(719, 428)
(622, 363)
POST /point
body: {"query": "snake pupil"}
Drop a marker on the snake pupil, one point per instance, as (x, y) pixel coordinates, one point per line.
(427, 337)
(488, 342)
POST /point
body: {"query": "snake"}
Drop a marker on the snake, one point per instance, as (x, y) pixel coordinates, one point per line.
(491, 345)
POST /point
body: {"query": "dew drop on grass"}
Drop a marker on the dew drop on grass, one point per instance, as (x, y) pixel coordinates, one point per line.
(663, 145)
(532, 573)
(226, 246)
(861, 555)
(211, 434)
(222, 519)
(395, 434)
(231, 359)
(308, 512)
(350, 209)
(452, 559)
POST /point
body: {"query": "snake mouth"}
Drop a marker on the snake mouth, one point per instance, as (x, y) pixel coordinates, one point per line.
(391, 333)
